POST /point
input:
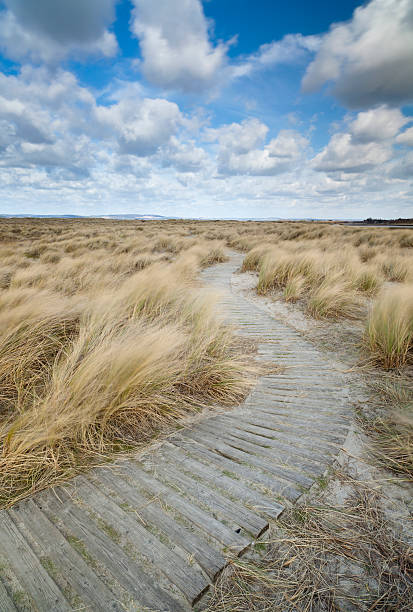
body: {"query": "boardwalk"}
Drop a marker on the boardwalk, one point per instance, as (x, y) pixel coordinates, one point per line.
(154, 533)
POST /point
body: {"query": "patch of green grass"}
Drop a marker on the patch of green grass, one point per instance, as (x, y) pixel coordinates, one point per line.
(322, 482)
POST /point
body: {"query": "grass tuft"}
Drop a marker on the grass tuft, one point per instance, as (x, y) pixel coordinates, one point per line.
(389, 329)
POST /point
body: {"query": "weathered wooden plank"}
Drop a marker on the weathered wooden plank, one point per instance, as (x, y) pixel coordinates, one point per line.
(265, 409)
(326, 448)
(269, 437)
(286, 454)
(149, 511)
(244, 493)
(16, 554)
(90, 589)
(204, 521)
(308, 433)
(237, 454)
(313, 443)
(76, 523)
(297, 403)
(326, 382)
(6, 604)
(286, 461)
(220, 505)
(302, 392)
(278, 391)
(248, 473)
(289, 413)
(282, 416)
(188, 580)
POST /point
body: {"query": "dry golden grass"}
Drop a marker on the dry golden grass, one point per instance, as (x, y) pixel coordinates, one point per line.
(338, 272)
(334, 298)
(104, 342)
(389, 330)
(390, 426)
(320, 557)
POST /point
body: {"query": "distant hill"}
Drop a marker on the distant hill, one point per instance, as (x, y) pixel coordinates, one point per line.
(132, 216)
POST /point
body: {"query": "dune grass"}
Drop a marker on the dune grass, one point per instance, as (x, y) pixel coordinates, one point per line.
(391, 429)
(334, 298)
(104, 347)
(105, 341)
(339, 273)
(389, 329)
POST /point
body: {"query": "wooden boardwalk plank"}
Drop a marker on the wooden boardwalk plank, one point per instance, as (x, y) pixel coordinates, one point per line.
(150, 512)
(206, 522)
(292, 468)
(188, 580)
(90, 589)
(244, 456)
(37, 585)
(6, 604)
(269, 437)
(244, 493)
(269, 447)
(218, 504)
(77, 524)
(248, 473)
(323, 437)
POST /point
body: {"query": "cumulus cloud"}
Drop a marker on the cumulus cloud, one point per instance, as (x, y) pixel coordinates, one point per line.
(46, 123)
(141, 126)
(26, 124)
(239, 137)
(68, 157)
(39, 104)
(175, 45)
(406, 138)
(377, 124)
(345, 155)
(367, 143)
(403, 168)
(370, 58)
(184, 156)
(242, 149)
(48, 30)
(290, 49)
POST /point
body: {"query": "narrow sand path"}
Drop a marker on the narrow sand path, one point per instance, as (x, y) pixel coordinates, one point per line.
(154, 533)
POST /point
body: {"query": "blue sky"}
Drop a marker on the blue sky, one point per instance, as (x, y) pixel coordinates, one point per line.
(221, 108)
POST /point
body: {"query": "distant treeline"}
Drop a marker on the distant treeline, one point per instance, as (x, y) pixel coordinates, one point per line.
(398, 221)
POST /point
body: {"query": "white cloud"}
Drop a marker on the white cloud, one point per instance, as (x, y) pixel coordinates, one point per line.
(406, 137)
(141, 126)
(366, 144)
(40, 104)
(370, 58)
(174, 41)
(47, 89)
(74, 21)
(290, 49)
(239, 137)
(46, 122)
(242, 149)
(184, 156)
(342, 154)
(377, 124)
(49, 30)
(27, 125)
(403, 168)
